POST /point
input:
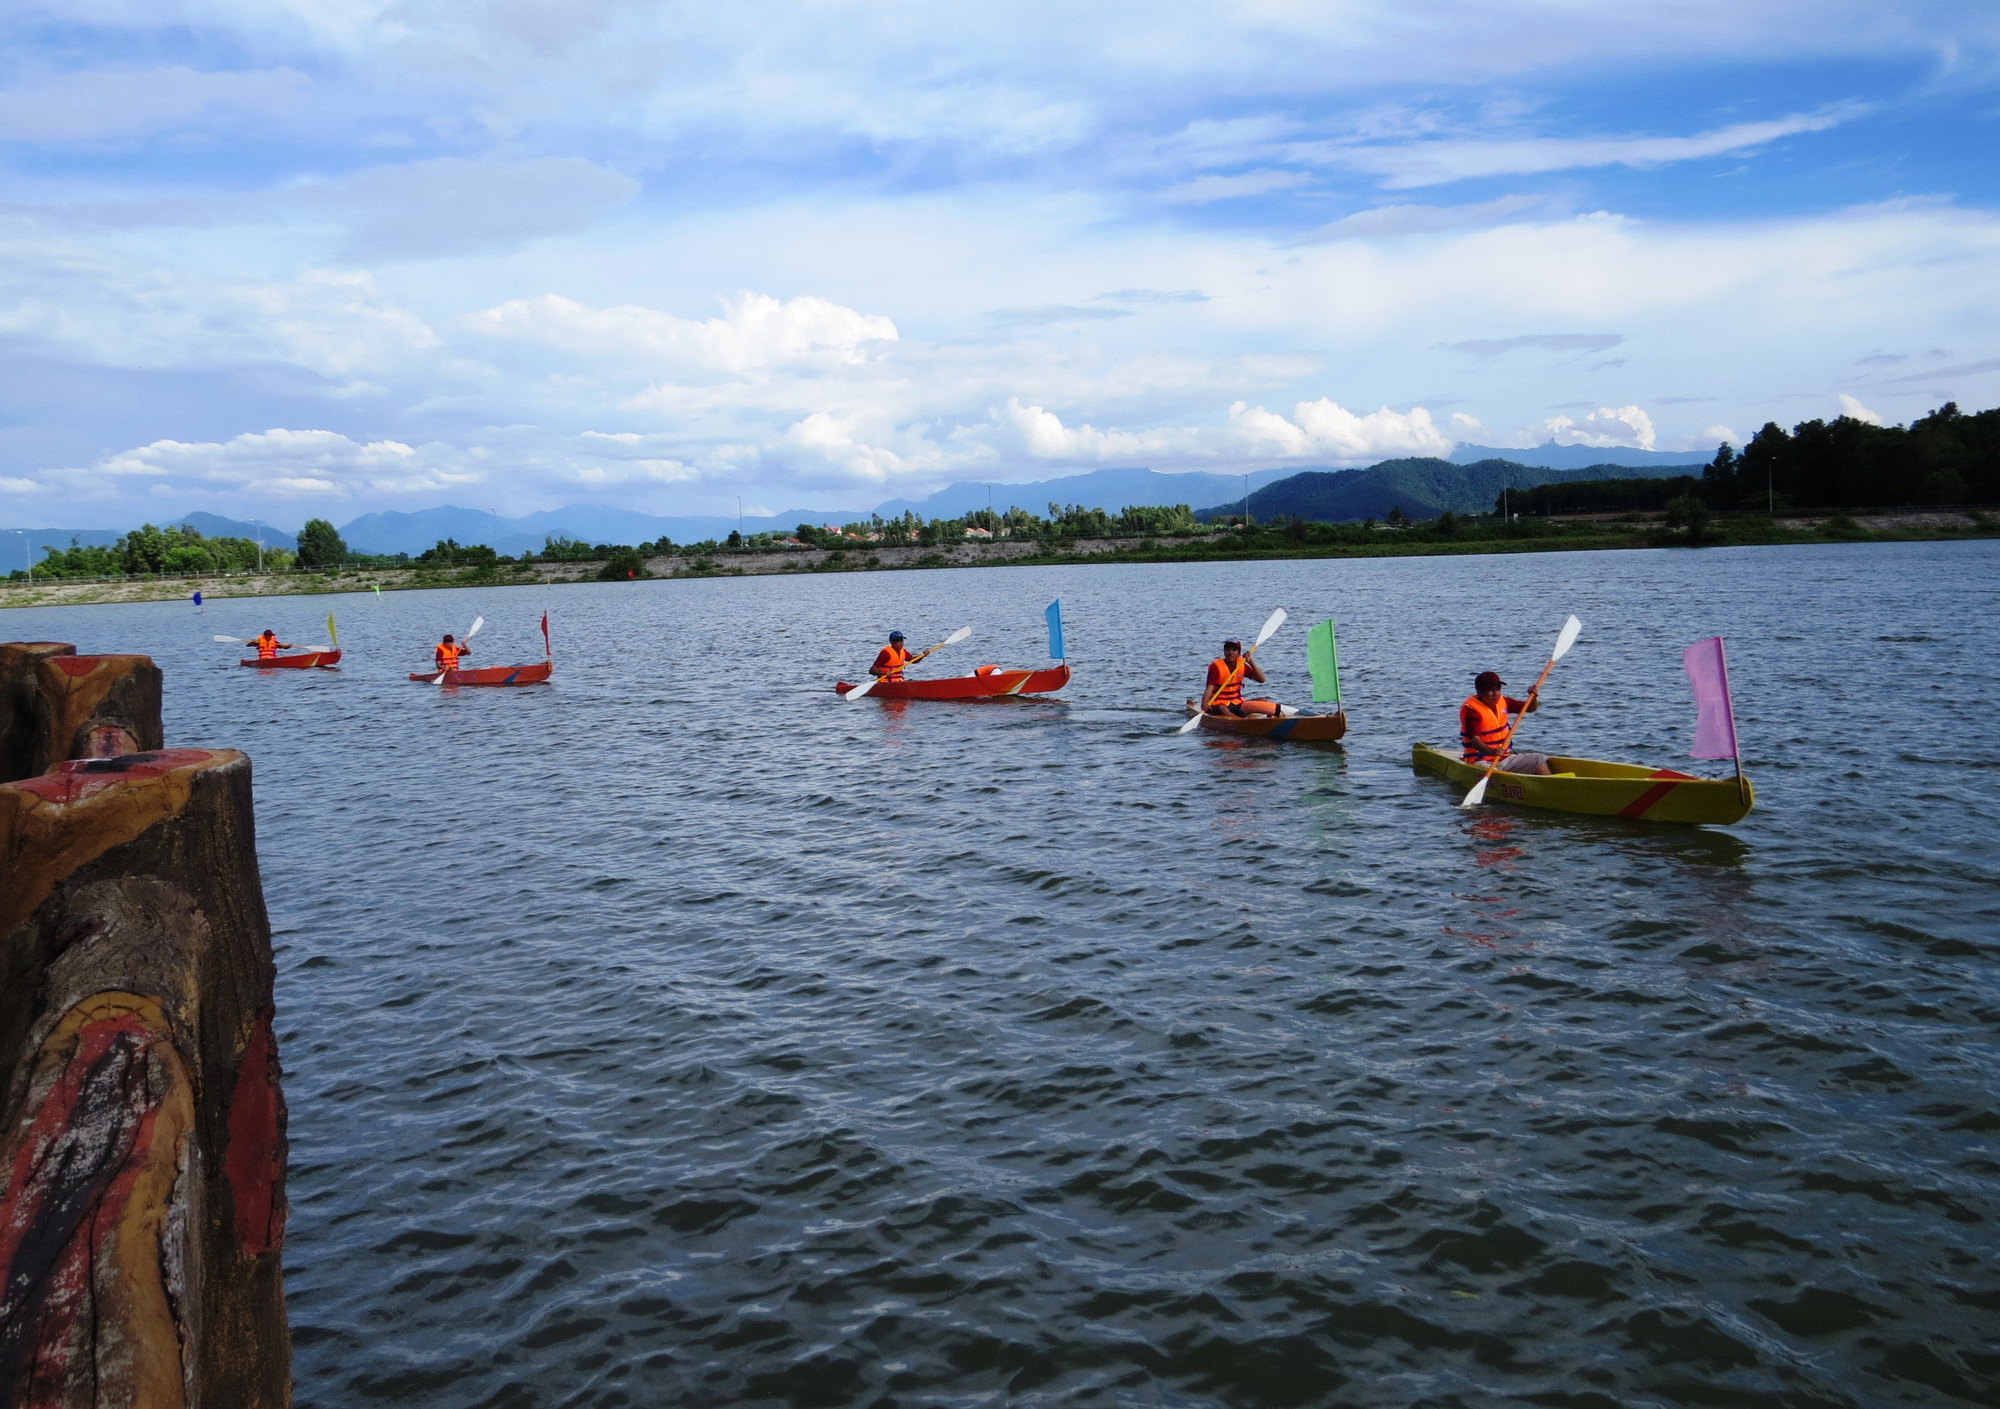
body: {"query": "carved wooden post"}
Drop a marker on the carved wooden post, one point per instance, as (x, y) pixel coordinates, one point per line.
(95, 707)
(20, 704)
(142, 1122)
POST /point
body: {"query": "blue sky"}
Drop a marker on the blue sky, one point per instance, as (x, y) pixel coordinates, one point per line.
(284, 259)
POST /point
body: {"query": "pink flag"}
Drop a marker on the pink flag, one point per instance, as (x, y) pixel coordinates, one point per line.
(1715, 721)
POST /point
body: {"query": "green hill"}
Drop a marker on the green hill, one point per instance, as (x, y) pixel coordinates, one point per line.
(1421, 488)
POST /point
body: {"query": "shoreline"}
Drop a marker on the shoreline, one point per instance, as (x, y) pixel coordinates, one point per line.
(1559, 536)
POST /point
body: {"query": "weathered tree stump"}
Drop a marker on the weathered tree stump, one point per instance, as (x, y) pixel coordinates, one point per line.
(142, 1123)
(20, 704)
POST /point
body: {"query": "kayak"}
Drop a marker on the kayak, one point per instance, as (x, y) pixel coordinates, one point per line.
(989, 682)
(1293, 728)
(1600, 789)
(307, 661)
(534, 674)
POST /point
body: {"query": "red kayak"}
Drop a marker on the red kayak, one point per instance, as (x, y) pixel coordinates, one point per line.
(988, 682)
(307, 661)
(535, 674)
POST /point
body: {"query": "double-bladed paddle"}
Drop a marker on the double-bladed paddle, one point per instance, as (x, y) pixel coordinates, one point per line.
(477, 622)
(1477, 795)
(1271, 625)
(872, 681)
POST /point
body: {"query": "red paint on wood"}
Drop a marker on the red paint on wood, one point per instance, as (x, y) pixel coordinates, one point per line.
(75, 779)
(256, 1173)
(70, 1180)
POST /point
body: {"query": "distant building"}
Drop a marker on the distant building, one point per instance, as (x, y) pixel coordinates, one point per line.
(979, 533)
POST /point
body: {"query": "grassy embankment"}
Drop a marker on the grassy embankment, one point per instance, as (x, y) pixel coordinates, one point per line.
(1440, 536)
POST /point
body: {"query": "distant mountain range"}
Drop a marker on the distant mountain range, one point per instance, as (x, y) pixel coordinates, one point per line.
(1550, 456)
(1421, 488)
(1424, 488)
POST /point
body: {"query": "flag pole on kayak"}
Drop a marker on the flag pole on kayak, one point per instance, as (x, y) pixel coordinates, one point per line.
(1054, 614)
(1715, 712)
(1571, 629)
(548, 650)
(1271, 624)
(872, 681)
(332, 632)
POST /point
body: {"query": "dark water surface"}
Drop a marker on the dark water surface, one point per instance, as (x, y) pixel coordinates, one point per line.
(677, 1034)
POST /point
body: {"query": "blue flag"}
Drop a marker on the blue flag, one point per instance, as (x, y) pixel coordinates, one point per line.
(1056, 651)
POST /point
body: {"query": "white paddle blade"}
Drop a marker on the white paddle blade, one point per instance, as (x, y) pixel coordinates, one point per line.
(233, 640)
(957, 636)
(1478, 793)
(1193, 722)
(477, 622)
(859, 690)
(1571, 629)
(1277, 619)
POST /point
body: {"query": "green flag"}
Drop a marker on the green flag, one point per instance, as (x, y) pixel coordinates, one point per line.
(332, 634)
(1325, 663)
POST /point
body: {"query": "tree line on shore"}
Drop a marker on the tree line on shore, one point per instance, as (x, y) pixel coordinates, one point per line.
(1947, 457)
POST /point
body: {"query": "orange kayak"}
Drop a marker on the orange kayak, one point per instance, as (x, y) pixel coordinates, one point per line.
(308, 661)
(989, 683)
(1293, 728)
(535, 674)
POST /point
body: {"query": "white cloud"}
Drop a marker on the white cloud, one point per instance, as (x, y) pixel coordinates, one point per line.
(1602, 429)
(756, 331)
(109, 103)
(1204, 189)
(1438, 161)
(1325, 429)
(1850, 407)
(278, 464)
(1717, 435)
(425, 209)
(1390, 221)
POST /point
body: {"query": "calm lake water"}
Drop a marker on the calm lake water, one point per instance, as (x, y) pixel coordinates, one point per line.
(678, 1034)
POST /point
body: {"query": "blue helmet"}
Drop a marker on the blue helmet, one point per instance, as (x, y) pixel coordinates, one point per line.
(895, 635)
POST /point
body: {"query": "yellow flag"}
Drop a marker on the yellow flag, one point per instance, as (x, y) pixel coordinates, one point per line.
(331, 634)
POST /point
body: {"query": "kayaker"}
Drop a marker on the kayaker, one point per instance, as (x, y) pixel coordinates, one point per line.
(1484, 730)
(268, 645)
(449, 651)
(1226, 674)
(894, 656)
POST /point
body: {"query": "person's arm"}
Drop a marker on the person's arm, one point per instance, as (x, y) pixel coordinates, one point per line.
(1527, 706)
(881, 666)
(1253, 670)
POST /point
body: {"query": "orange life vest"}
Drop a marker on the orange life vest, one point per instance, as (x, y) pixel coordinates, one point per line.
(1483, 728)
(1225, 682)
(267, 647)
(447, 656)
(889, 665)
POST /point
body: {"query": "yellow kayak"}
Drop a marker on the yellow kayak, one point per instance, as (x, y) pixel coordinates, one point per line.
(1600, 789)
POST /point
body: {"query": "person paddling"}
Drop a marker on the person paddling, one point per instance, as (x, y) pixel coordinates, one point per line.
(449, 651)
(1226, 674)
(893, 658)
(268, 645)
(1484, 729)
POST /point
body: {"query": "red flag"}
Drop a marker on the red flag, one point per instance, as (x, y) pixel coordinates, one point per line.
(547, 650)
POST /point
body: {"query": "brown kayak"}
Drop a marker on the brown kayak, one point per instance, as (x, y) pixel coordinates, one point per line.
(1293, 728)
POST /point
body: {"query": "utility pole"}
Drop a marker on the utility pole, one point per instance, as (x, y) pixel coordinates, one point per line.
(260, 545)
(28, 547)
(739, 516)
(1246, 501)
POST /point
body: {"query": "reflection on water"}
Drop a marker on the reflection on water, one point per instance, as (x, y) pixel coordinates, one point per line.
(678, 1033)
